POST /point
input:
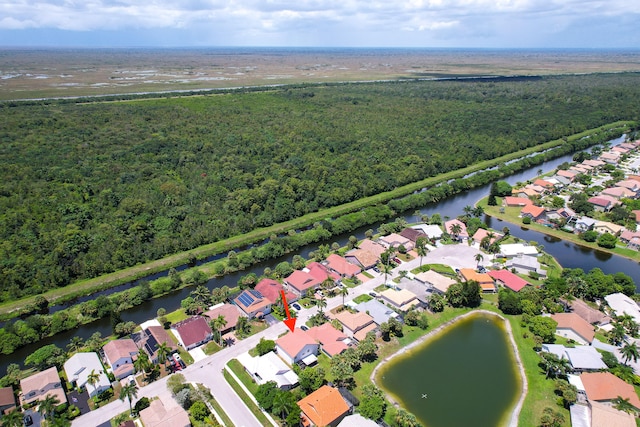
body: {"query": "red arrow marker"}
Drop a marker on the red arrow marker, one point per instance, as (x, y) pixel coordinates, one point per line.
(289, 321)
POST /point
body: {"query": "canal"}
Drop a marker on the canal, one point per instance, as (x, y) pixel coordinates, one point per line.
(568, 254)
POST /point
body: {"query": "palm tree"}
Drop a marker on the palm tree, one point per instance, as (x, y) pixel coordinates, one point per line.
(75, 344)
(12, 419)
(219, 323)
(129, 391)
(421, 248)
(142, 362)
(47, 406)
(344, 291)
(456, 229)
(202, 295)
(406, 419)
(479, 257)
(623, 404)
(242, 327)
(321, 303)
(163, 351)
(616, 334)
(93, 378)
(468, 210)
(629, 351)
(327, 284)
(282, 405)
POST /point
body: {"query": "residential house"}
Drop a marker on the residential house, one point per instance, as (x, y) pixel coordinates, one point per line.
(119, 354)
(619, 149)
(450, 227)
(630, 184)
(582, 357)
(548, 186)
(42, 384)
(321, 272)
(594, 163)
(518, 249)
(332, 341)
(603, 227)
(324, 407)
(7, 400)
(272, 290)
(78, 368)
(394, 240)
(526, 265)
(611, 158)
(341, 267)
(297, 346)
(586, 312)
(356, 325)
(401, 299)
(636, 216)
(508, 279)
(230, 312)
(579, 169)
(631, 239)
(560, 180)
(604, 387)
(481, 233)
(606, 415)
(433, 231)
(150, 339)
(253, 303)
(192, 332)
(435, 281)
(567, 174)
(574, 327)
(528, 192)
(380, 312)
(413, 234)
(484, 280)
(634, 177)
(367, 255)
(567, 213)
(603, 203)
(301, 282)
(357, 420)
(532, 211)
(622, 304)
(269, 367)
(618, 193)
(584, 224)
(160, 415)
(511, 201)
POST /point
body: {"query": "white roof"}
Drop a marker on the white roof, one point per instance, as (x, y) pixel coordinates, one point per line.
(357, 420)
(585, 357)
(557, 349)
(575, 380)
(269, 367)
(621, 304)
(580, 416)
(380, 312)
(431, 230)
(310, 359)
(80, 365)
(437, 280)
(514, 249)
(526, 261)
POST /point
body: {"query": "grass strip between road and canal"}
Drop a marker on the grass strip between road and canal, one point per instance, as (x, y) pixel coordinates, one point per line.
(246, 399)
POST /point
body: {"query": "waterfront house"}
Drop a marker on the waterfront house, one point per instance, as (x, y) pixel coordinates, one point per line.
(574, 327)
(586, 312)
(636, 215)
(481, 233)
(611, 158)
(230, 312)
(622, 304)
(297, 346)
(631, 239)
(401, 299)
(606, 415)
(433, 231)
(484, 280)
(532, 211)
(413, 234)
(604, 387)
(269, 367)
(450, 226)
(80, 366)
(356, 325)
(150, 338)
(322, 272)
(518, 249)
(302, 283)
(324, 407)
(42, 384)
(119, 354)
(367, 255)
(341, 267)
(570, 175)
(582, 357)
(332, 341)
(548, 186)
(380, 312)
(357, 420)
(511, 201)
(603, 227)
(584, 224)
(528, 192)
(160, 415)
(272, 290)
(508, 279)
(560, 180)
(253, 303)
(395, 240)
(593, 163)
(192, 332)
(435, 281)
(526, 265)
(7, 400)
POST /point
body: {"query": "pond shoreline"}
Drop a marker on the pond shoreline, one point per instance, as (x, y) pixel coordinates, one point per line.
(515, 413)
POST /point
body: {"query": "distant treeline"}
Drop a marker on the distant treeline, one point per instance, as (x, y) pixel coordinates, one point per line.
(90, 188)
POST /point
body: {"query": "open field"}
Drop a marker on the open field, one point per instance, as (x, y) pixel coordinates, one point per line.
(39, 73)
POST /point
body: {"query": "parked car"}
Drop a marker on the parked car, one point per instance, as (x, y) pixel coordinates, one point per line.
(397, 260)
(304, 328)
(179, 363)
(28, 421)
(373, 294)
(376, 269)
(296, 306)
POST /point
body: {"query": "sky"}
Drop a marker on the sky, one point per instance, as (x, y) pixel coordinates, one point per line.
(321, 23)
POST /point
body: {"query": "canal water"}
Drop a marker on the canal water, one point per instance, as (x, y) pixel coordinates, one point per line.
(466, 376)
(568, 254)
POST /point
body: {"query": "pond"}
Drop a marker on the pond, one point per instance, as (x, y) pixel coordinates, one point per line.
(464, 376)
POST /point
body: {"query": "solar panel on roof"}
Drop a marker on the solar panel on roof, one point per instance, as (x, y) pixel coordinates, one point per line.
(245, 299)
(256, 294)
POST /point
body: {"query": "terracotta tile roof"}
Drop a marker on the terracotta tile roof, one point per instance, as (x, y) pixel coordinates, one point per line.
(593, 163)
(618, 192)
(576, 323)
(371, 246)
(193, 330)
(396, 240)
(293, 342)
(355, 321)
(567, 174)
(412, 234)
(634, 177)
(471, 274)
(589, 314)
(321, 272)
(605, 415)
(508, 279)
(331, 339)
(363, 257)
(517, 201)
(251, 302)
(159, 415)
(481, 233)
(341, 266)
(301, 281)
(463, 228)
(229, 311)
(362, 333)
(271, 290)
(629, 184)
(324, 406)
(7, 398)
(120, 349)
(604, 386)
(45, 383)
(636, 213)
(543, 183)
(533, 210)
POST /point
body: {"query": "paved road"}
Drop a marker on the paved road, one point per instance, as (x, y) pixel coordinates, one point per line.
(209, 370)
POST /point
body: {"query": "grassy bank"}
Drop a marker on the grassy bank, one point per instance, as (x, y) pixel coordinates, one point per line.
(247, 401)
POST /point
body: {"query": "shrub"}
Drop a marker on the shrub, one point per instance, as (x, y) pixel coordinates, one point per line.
(141, 404)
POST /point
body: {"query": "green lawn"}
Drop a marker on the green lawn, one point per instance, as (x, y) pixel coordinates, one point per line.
(362, 298)
(247, 401)
(225, 418)
(244, 377)
(211, 348)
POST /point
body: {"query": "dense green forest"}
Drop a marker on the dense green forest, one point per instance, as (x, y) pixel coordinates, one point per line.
(89, 188)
